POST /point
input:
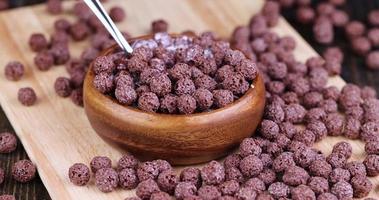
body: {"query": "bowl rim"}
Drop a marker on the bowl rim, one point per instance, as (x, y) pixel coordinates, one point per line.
(110, 100)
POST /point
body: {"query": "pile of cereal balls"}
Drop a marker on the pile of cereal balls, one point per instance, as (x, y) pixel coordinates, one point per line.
(278, 162)
(176, 75)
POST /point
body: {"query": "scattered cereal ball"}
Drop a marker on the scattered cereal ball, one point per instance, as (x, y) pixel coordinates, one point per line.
(128, 178)
(208, 192)
(167, 181)
(356, 168)
(7, 197)
(185, 189)
(343, 148)
(213, 173)
(373, 36)
(204, 98)
(103, 64)
(117, 14)
(333, 54)
(159, 25)
(23, 171)
(125, 94)
(246, 193)
(99, 162)
(44, 60)
(302, 192)
(89, 54)
(294, 113)
(318, 128)
(8, 142)
(283, 162)
(320, 168)
(77, 96)
(162, 165)
(361, 186)
(160, 196)
(368, 92)
(304, 156)
(38, 42)
(342, 189)
(372, 147)
(336, 159)
(236, 84)
(372, 60)
(146, 188)
(79, 31)
(148, 102)
(247, 147)
(334, 122)
(147, 170)
(127, 161)
(339, 18)
(278, 190)
(355, 29)
(274, 112)
(234, 57)
(295, 176)
(27, 96)
(305, 14)
(277, 70)
(373, 17)
(79, 174)
(106, 179)
(60, 53)
(361, 45)
(256, 184)
(169, 104)
(123, 78)
(327, 196)
(339, 174)
(62, 25)
(372, 165)
(370, 131)
(14, 71)
(229, 187)
(192, 175)
(186, 104)
(323, 30)
(319, 185)
(54, 6)
(62, 86)
(251, 166)
(59, 38)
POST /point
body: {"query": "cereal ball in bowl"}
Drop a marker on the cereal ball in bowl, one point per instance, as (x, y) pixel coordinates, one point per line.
(184, 114)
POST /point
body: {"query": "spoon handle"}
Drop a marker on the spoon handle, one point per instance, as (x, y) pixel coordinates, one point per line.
(108, 23)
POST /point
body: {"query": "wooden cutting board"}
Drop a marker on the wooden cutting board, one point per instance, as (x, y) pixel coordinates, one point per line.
(56, 133)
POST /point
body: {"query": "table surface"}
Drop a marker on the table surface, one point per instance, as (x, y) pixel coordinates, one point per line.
(353, 71)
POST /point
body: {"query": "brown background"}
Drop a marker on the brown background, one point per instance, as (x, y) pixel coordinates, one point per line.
(353, 71)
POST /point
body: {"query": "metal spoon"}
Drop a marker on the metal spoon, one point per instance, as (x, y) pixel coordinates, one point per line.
(108, 23)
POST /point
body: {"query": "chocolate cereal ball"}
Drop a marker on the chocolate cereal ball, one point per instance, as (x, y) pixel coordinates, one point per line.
(117, 14)
(278, 190)
(229, 187)
(159, 25)
(373, 17)
(372, 165)
(294, 113)
(103, 64)
(305, 14)
(38, 42)
(7, 197)
(213, 173)
(246, 193)
(99, 162)
(208, 192)
(148, 102)
(361, 186)
(236, 84)
(302, 192)
(180, 71)
(192, 175)
(27, 96)
(372, 60)
(23, 171)
(247, 147)
(336, 160)
(356, 168)
(339, 174)
(185, 86)
(62, 86)
(186, 104)
(161, 85)
(320, 168)
(343, 148)
(185, 189)
(283, 162)
(128, 178)
(251, 166)
(169, 104)
(167, 181)
(8, 142)
(125, 94)
(319, 185)
(304, 156)
(206, 82)
(79, 174)
(14, 71)
(327, 196)
(146, 188)
(295, 176)
(256, 184)
(372, 147)
(106, 179)
(160, 196)
(44, 60)
(342, 189)
(147, 170)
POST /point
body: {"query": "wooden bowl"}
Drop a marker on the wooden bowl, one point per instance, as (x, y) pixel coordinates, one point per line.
(180, 139)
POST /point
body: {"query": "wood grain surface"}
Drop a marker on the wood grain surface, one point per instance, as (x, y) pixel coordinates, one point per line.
(56, 133)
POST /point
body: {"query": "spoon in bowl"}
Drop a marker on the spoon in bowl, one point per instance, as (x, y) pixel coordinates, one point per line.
(98, 9)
